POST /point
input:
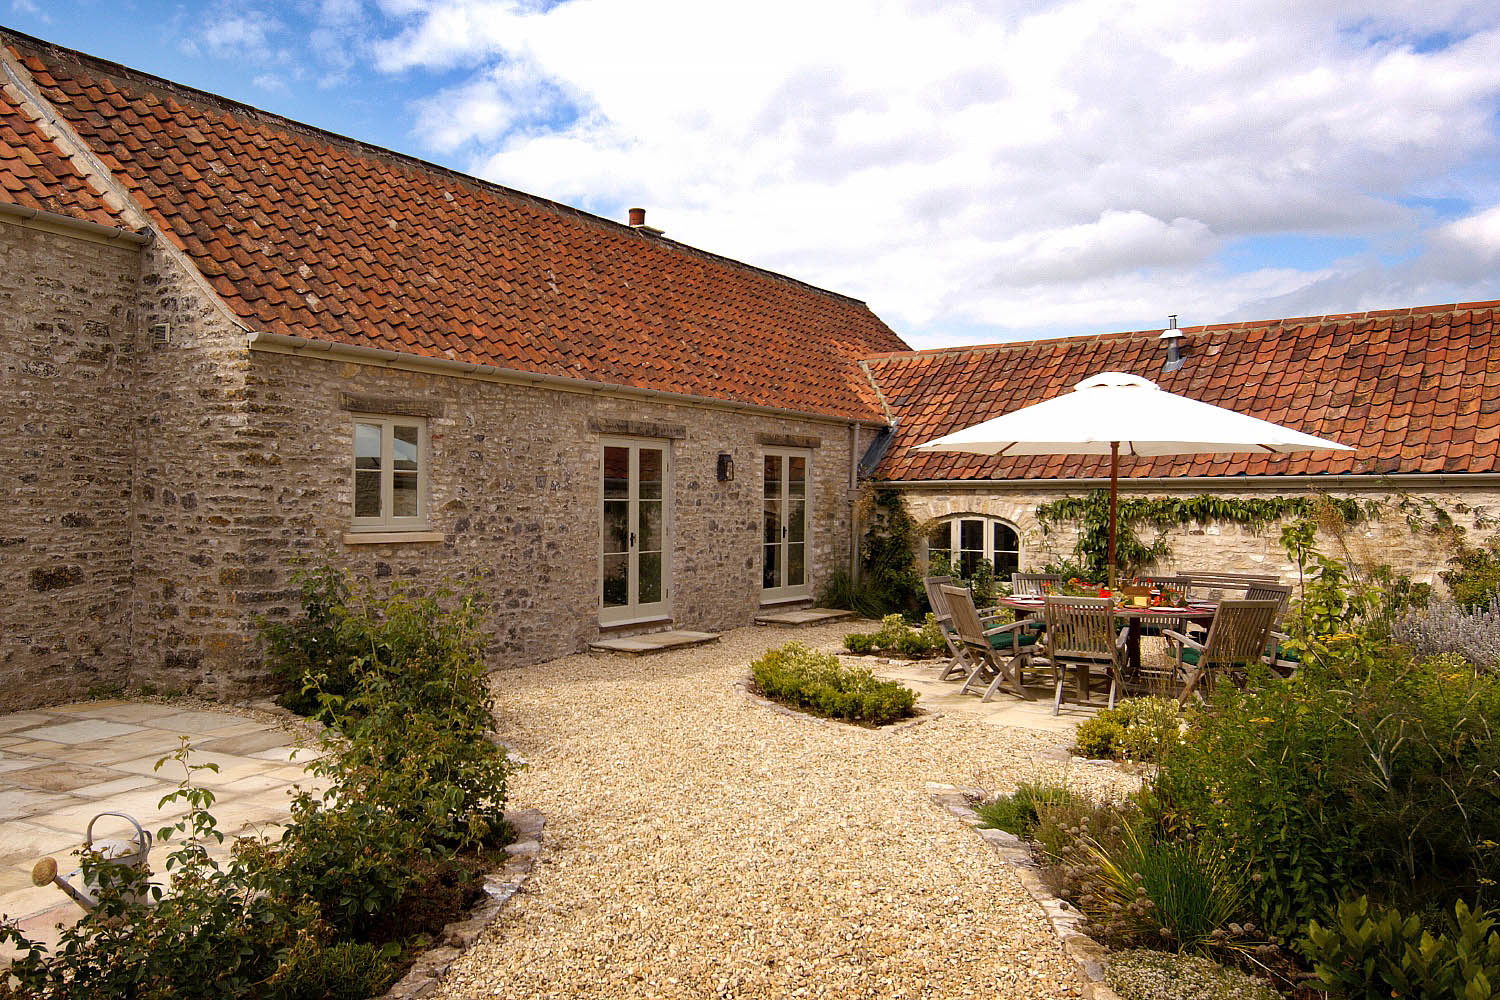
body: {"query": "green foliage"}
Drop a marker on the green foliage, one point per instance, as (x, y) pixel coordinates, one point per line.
(985, 586)
(1370, 951)
(889, 579)
(344, 970)
(895, 636)
(1021, 810)
(1135, 729)
(1133, 555)
(1180, 895)
(803, 678)
(313, 652)
(413, 776)
(1141, 974)
(1475, 574)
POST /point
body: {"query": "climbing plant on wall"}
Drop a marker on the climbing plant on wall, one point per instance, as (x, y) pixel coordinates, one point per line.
(1091, 512)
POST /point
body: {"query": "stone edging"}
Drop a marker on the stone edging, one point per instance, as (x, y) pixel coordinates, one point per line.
(1087, 953)
(423, 977)
(742, 687)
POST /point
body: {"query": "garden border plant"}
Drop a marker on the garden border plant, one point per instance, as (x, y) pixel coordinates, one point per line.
(796, 675)
(365, 873)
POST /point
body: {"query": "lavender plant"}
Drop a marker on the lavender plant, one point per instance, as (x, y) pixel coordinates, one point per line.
(1447, 627)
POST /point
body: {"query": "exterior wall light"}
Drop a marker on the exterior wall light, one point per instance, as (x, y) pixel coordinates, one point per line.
(726, 467)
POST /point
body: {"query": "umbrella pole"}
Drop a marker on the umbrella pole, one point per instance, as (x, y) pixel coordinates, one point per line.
(1114, 488)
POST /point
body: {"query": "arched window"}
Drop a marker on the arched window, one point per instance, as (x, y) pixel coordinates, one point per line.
(963, 541)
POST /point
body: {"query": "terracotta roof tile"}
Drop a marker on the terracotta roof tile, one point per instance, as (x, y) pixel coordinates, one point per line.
(423, 260)
(1414, 390)
(35, 174)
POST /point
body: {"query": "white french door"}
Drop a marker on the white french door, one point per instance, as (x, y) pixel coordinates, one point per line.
(634, 554)
(784, 496)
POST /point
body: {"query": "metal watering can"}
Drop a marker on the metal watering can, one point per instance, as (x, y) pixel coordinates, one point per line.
(131, 852)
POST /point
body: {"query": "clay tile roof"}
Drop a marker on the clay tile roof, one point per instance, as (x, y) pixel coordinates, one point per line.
(310, 234)
(35, 174)
(1413, 390)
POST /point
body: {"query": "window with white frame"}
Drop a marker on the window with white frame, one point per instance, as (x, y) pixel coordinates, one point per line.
(962, 541)
(390, 473)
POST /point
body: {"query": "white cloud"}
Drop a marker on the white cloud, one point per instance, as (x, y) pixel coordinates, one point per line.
(1033, 167)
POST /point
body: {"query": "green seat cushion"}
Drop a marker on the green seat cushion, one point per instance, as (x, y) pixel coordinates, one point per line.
(1009, 640)
(1190, 655)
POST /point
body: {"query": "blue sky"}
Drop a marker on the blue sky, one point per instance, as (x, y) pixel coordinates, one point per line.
(976, 172)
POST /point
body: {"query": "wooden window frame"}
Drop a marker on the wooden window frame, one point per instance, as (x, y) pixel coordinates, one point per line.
(386, 522)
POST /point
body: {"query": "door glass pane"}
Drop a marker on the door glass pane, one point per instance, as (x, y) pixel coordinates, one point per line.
(367, 446)
(367, 493)
(771, 567)
(773, 522)
(796, 520)
(649, 580)
(616, 525)
(794, 566)
(773, 476)
(616, 581)
(652, 467)
(796, 477)
(649, 537)
(404, 494)
(404, 443)
(617, 473)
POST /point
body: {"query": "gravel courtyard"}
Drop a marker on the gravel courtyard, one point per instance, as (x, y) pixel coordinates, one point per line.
(700, 845)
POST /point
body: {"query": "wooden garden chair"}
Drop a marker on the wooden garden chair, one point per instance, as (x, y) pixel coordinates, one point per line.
(960, 662)
(1033, 583)
(1238, 638)
(998, 652)
(1082, 634)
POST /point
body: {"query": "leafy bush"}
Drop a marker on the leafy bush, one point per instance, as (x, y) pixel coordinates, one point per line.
(1153, 975)
(413, 777)
(1135, 729)
(895, 636)
(1020, 811)
(314, 652)
(803, 678)
(1475, 574)
(1174, 894)
(1444, 627)
(1376, 952)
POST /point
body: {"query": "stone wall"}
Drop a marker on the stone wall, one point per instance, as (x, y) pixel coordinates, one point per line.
(67, 348)
(1231, 547)
(515, 495)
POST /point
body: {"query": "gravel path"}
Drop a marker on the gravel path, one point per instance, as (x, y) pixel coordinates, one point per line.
(699, 845)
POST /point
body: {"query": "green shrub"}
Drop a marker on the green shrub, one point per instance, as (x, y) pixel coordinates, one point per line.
(314, 652)
(1376, 952)
(1177, 895)
(345, 970)
(1021, 810)
(1141, 974)
(895, 636)
(803, 678)
(1135, 729)
(1098, 737)
(1475, 574)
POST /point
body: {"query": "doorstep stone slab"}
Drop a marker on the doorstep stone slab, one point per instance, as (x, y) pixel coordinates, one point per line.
(804, 616)
(654, 642)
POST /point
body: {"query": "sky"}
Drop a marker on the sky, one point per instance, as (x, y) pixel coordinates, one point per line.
(975, 172)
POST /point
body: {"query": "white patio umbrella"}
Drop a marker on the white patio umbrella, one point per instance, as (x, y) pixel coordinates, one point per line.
(1114, 413)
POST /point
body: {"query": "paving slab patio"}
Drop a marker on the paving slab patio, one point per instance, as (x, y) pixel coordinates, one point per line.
(59, 767)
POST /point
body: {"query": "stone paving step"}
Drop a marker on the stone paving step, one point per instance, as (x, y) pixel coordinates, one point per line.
(804, 616)
(653, 642)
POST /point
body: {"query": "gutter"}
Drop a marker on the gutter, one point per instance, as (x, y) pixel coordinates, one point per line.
(36, 218)
(1390, 481)
(281, 343)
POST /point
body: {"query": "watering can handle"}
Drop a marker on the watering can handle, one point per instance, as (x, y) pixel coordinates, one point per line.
(141, 836)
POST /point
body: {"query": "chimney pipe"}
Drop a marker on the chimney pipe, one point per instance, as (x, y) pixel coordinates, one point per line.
(637, 217)
(1174, 353)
